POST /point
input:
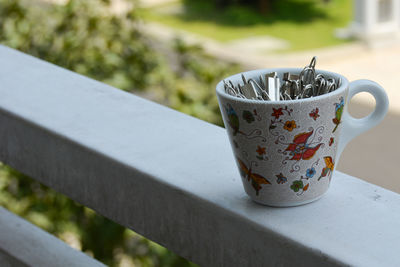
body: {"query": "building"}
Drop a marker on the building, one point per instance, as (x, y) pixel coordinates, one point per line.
(374, 20)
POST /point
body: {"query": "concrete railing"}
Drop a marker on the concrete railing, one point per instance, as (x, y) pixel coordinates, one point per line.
(23, 244)
(172, 178)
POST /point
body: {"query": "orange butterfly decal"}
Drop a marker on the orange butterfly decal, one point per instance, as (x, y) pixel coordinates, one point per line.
(256, 179)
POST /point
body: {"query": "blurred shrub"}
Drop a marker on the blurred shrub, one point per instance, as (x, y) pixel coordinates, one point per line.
(193, 91)
(85, 37)
(82, 36)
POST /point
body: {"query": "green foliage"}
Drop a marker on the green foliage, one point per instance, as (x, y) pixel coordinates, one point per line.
(261, 6)
(78, 225)
(194, 93)
(244, 15)
(82, 36)
(85, 37)
(305, 24)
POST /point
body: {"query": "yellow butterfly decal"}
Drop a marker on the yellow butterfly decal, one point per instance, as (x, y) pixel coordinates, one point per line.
(256, 179)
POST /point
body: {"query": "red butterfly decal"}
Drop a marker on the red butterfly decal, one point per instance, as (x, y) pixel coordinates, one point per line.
(314, 114)
(300, 149)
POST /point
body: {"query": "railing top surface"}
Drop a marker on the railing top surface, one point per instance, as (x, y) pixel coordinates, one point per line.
(172, 177)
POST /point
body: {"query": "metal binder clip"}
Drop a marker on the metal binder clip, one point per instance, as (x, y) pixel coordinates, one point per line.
(320, 84)
(272, 85)
(307, 76)
(248, 89)
(292, 86)
(262, 95)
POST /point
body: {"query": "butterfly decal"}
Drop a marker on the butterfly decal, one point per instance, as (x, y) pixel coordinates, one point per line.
(328, 169)
(255, 179)
(300, 148)
(314, 114)
(280, 179)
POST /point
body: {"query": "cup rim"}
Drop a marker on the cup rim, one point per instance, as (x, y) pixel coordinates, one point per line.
(253, 73)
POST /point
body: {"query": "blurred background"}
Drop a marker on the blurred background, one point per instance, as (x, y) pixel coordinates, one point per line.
(174, 52)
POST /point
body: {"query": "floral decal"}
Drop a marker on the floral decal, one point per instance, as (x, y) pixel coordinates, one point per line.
(310, 172)
(328, 168)
(304, 180)
(248, 116)
(290, 143)
(261, 153)
(297, 185)
(338, 113)
(280, 179)
(305, 188)
(255, 179)
(314, 114)
(331, 141)
(277, 112)
(261, 150)
(289, 125)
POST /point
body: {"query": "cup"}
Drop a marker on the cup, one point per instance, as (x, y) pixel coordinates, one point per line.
(286, 151)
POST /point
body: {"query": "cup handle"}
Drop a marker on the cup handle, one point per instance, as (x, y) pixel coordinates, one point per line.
(353, 127)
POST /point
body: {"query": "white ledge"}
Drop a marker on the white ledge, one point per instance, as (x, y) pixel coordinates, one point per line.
(23, 244)
(173, 179)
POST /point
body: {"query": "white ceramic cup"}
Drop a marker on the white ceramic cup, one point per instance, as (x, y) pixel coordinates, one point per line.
(286, 151)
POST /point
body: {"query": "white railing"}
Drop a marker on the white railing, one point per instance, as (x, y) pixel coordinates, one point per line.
(172, 178)
(23, 244)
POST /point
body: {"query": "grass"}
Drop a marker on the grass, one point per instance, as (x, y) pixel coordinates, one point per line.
(305, 24)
